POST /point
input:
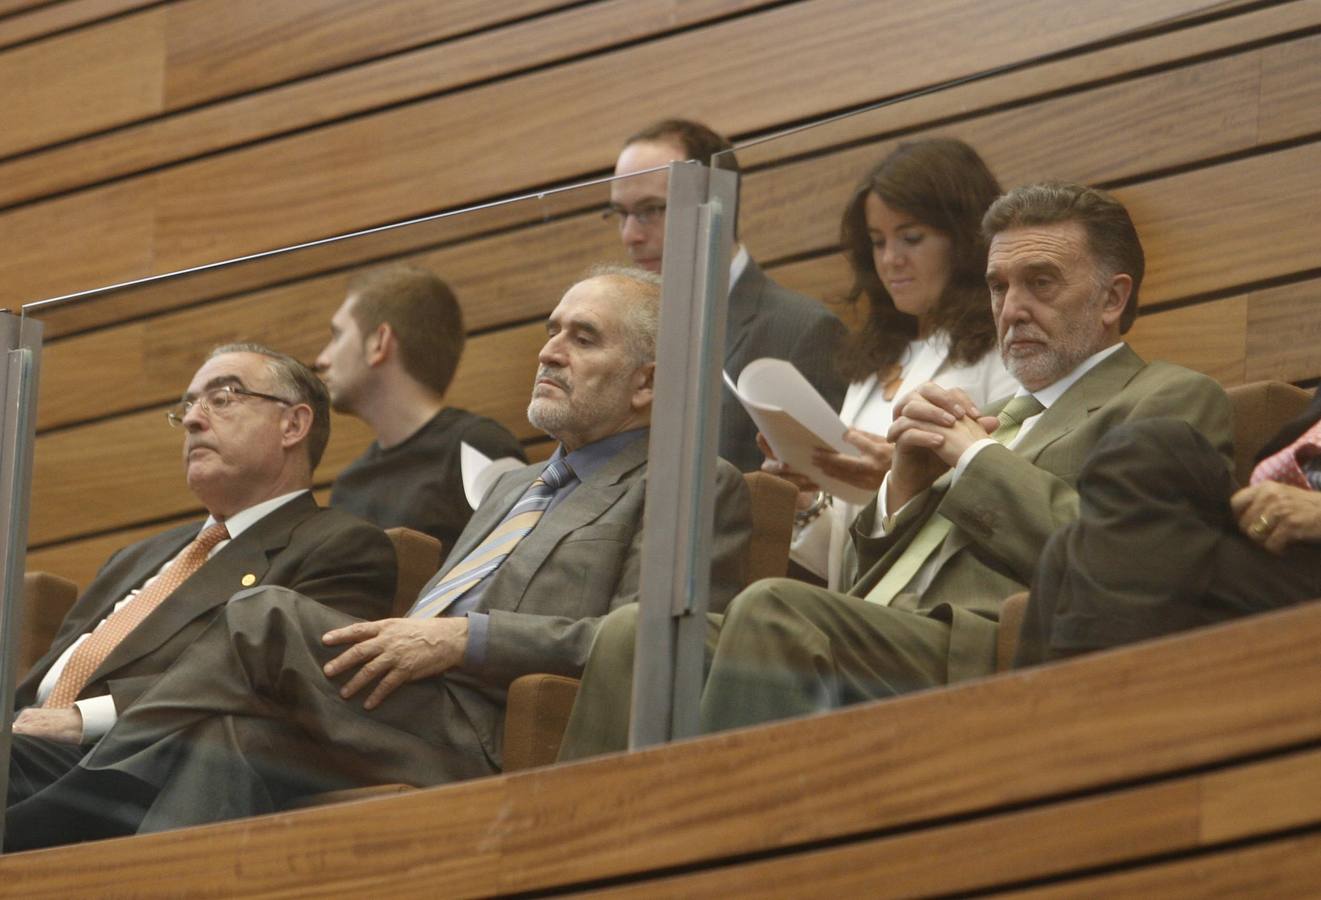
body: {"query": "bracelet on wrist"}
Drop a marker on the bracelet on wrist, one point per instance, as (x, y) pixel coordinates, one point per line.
(803, 516)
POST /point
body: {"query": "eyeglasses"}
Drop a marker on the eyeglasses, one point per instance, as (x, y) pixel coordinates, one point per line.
(218, 401)
(644, 214)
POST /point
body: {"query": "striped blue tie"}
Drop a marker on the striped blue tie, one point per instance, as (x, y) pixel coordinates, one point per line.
(487, 556)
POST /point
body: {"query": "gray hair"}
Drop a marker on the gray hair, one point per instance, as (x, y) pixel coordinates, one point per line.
(296, 383)
(642, 291)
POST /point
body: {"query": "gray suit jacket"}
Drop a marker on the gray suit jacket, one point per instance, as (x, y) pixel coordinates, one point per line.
(581, 561)
(330, 556)
(1007, 503)
(765, 319)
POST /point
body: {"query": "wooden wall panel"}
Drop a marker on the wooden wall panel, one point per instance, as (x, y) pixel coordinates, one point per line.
(66, 241)
(542, 260)
(1209, 337)
(1284, 333)
(1291, 89)
(1260, 224)
(82, 81)
(48, 19)
(293, 188)
(380, 82)
(222, 47)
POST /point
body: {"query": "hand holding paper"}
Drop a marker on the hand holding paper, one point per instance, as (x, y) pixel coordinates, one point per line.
(796, 422)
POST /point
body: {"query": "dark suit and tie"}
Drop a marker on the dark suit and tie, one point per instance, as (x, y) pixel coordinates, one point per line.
(765, 319)
(255, 423)
(251, 722)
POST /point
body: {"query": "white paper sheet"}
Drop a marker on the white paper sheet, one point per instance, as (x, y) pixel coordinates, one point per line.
(480, 471)
(795, 420)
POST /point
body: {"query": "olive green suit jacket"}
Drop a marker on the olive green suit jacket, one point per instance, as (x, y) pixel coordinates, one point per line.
(1006, 503)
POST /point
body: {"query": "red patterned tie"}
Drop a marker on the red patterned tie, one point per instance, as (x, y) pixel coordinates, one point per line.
(99, 644)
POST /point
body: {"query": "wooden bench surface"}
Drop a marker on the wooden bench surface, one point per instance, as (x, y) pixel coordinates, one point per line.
(1090, 742)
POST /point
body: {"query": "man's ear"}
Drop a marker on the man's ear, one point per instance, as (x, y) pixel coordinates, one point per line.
(379, 345)
(1116, 298)
(295, 424)
(644, 386)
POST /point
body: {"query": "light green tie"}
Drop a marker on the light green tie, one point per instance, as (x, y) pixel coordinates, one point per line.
(933, 533)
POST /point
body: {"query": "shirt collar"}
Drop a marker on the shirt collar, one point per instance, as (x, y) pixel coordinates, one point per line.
(1052, 392)
(587, 460)
(737, 265)
(243, 520)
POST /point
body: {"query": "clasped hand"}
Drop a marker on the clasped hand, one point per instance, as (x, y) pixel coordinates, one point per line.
(1277, 515)
(396, 651)
(932, 428)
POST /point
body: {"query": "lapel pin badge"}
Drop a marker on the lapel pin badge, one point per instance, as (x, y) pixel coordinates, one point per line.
(249, 580)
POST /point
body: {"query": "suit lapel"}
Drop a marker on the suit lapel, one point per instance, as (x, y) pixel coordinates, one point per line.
(1083, 398)
(587, 502)
(213, 584)
(744, 299)
(151, 561)
(1071, 410)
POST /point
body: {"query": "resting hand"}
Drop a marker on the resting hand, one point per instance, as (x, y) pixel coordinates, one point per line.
(866, 471)
(64, 726)
(773, 466)
(396, 651)
(1276, 515)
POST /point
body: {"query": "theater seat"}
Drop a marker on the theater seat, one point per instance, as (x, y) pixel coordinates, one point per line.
(1261, 409)
(537, 708)
(47, 599)
(418, 556)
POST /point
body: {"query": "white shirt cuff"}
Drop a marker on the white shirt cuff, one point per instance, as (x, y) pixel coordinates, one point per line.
(966, 457)
(99, 715)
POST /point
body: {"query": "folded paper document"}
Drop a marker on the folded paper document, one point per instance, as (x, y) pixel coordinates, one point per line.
(795, 420)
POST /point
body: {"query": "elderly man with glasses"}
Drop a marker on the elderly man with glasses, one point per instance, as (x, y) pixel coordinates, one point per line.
(255, 423)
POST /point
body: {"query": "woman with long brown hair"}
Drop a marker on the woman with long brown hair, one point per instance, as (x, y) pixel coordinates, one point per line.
(912, 235)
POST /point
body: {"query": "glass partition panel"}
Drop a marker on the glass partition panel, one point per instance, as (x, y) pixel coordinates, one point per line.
(875, 217)
(125, 363)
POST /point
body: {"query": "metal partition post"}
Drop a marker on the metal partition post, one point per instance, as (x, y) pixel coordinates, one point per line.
(685, 418)
(20, 338)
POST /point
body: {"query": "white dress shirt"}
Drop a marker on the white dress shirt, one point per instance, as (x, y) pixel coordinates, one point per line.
(99, 713)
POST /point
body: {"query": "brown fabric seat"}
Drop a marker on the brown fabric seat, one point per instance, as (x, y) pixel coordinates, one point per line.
(1261, 409)
(46, 600)
(538, 706)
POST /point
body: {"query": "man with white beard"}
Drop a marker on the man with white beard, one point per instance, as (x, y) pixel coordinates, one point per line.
(267, 708)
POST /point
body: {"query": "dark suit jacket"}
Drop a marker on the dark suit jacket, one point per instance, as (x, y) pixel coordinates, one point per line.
(208, 740)
(765, 319)
(325, 554)
(1007, 503)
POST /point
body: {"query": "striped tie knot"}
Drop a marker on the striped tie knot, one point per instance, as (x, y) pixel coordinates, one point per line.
(484, 559)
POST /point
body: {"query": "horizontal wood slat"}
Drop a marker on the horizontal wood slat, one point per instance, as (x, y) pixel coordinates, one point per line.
(222, 47)
(1281, 868)
(382, 82)
(60, 17)
(520, 275)
(1152, 711)
(1055, 839)
(292, 189)
(89, 79)
(818, 188)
